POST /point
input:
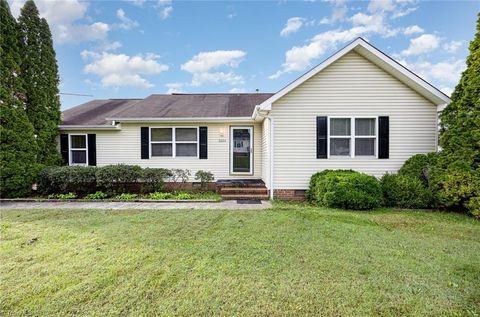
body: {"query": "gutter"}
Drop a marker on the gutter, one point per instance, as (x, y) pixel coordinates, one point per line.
(89, 127)
(185, 119)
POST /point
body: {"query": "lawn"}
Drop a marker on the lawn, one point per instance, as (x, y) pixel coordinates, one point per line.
(289, 260)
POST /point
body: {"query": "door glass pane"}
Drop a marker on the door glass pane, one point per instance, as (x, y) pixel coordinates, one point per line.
(340, 126)
(340, 147)
(364, 147)
(162, 134)
(241, 150)
(78, 142)
(162, 149)
(364, 126)
(79, 156)
(186, 149)
(186, 134)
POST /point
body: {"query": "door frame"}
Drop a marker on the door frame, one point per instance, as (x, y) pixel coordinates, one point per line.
(250, 128)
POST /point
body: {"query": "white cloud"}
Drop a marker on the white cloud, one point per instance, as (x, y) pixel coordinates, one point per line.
(402, 13)
(412, 30)
(237, 90)
(447, 90)
(63, 17)
(174, 88)
(211, 67)
(71, 33)
(126, 22)
(381, 5)
(446, 72)
(452, 46)
(373, 22)
(338, 13)
(423, 44)
(165, 12)
(293, 25)
(120, 70)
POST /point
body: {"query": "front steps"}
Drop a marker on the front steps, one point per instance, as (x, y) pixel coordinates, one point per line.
(242, 190)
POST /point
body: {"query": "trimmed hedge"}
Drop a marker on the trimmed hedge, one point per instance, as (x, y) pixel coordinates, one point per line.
(113, 179)
(66, 179)
(345, 189)
(419, 166)
(405, 192)
(117, 179)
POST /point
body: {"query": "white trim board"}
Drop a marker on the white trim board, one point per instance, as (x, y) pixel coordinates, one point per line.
(377, 57)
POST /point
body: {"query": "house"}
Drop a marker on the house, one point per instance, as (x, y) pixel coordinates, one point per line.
(359, 109)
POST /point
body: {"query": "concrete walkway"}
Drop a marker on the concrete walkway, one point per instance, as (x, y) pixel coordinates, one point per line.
(227, 204)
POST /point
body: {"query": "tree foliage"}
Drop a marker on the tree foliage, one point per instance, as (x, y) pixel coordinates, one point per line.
(17, 145)
(460, 136)
(40, 76)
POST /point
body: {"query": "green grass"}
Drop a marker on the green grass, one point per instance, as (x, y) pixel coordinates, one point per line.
(289, 260)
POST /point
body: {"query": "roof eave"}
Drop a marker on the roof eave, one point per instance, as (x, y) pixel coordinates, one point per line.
(89, 127)
(185, 119)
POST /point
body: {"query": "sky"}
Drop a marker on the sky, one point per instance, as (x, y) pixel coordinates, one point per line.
(134, 48)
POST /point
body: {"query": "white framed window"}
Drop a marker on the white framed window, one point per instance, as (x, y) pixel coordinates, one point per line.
(352, 137)
(174, 142)
(77, 145)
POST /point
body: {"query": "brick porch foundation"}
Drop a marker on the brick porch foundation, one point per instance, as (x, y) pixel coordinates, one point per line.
(289, 194)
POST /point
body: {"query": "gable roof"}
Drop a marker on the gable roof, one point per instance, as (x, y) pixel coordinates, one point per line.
(98, 113)
(377, 57)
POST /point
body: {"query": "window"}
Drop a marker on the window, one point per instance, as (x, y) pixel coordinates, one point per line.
(353, 137)
(174, 142)
(78, 149)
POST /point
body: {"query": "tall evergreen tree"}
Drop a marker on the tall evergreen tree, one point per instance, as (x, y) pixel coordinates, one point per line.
(460, 134)
(40, 76)
(17, 143)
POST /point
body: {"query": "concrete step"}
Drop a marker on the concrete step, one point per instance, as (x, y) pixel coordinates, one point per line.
(247, 197)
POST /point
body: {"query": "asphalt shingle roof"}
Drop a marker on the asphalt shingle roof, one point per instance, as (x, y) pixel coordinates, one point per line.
(95, 112)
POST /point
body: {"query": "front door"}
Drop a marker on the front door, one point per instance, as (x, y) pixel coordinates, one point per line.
(241, 146)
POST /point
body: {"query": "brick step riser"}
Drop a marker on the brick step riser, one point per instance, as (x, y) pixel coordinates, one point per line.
(246, 197)
(237, 191)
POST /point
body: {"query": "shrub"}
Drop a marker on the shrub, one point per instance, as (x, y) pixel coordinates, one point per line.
(204, 177)
(419, 166)
(118, 178)
(345, 189)
(126, 196)
(405, 192)
(183, 196)
(154, 179)
(64, 179)
(180, 174)
(62, 196)
(160, 196)
(97, 195)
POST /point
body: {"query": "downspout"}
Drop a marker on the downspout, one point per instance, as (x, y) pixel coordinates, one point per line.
(270, 158)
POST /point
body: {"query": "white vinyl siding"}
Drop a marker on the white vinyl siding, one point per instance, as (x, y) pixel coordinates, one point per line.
(350, 87)
(123, 147)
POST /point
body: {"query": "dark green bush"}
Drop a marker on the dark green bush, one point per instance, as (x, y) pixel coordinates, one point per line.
(204, 177)
(154, 179)
(419, 166)
(118, 178)
(345, 189)
(65, 179)
(405, 192)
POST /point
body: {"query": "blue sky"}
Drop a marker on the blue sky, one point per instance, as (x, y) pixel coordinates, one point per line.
(130, 49)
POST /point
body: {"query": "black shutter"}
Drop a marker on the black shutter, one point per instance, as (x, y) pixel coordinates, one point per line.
(383, 137)
(144, 141)
(64, 148)
(203, 143)
(92, 149)
(322, 126)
